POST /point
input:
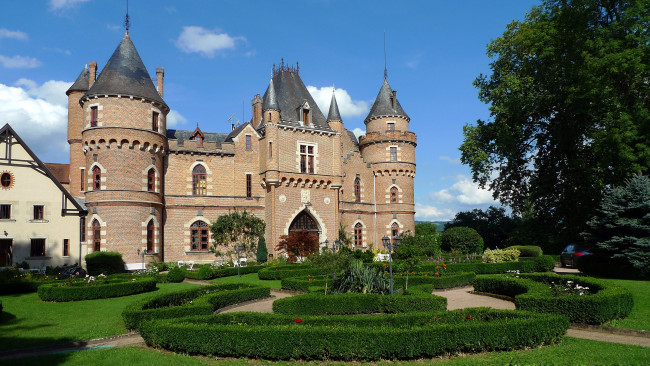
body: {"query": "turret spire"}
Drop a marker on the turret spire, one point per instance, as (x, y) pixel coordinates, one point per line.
(127, 23)
(270, 99)
(334, 114)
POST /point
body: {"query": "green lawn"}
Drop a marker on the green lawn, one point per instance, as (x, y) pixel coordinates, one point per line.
(250, 279)
(571, 351)
(640, 316)
(27, 321)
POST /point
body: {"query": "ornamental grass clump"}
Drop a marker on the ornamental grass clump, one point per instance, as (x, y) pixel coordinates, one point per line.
(359, 278)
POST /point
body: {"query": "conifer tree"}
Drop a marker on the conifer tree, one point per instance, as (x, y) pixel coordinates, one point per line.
(262, 252)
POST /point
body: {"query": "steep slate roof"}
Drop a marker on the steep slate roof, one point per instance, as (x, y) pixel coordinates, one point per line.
(236, 132)
(334, 114)
(270, 100)
(383, 106)
(125, 74)
(353, 137)
(82, 81)
(291, 94)
(183, 135)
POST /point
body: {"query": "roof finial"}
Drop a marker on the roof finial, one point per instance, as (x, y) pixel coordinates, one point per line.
(127, 23)
(385, 68)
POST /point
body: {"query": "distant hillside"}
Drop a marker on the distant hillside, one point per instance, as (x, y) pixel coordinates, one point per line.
(439, 224)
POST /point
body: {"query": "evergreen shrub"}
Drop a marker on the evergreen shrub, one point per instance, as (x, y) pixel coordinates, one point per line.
(104, 262)
(176, 275)
(360, 337)
(542, 263)
(527, 250)
(212, 273)
(461, 239)
(500, 255)
(82, 290)
(285, 271)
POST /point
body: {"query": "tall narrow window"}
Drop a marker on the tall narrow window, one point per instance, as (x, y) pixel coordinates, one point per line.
(151, 180)
(305, 117)
(38, 212)
(82, 187)
(357, 189)
(97, 236)
(393, 153)
(393, 194)
(249, 186)
(154, 121)
(306, 158)
(394, 230)
(199, 178)
(199, 235)
(358, 235)
(93, 116)
(249, 144)
(66, 247)
(37, 248)
(150, 234)
(82, 234)
(270, 150)
(5, 212)
(97, 178)
(390, 126)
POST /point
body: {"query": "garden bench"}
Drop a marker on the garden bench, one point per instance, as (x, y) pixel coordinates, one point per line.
(33, 270)
(135, 266)
(189, 264)
(382, 257)
(243, 262)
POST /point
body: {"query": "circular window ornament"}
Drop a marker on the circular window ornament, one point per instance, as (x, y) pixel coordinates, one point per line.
(282, 198)
(327, 200)
(6, 180)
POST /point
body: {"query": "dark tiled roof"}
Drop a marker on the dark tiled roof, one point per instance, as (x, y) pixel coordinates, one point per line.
(125, 74)
(383, 105)
(353, 137)
(82, 81)
(236, 132)
(60, 171)
(291, 94)
(270, 100)
(183, 135)
(334, 114)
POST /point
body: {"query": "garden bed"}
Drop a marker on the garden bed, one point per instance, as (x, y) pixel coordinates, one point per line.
(205, 272)
(543, 263)
(82, 289)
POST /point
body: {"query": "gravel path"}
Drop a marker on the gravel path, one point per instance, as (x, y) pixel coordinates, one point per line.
(257, 306)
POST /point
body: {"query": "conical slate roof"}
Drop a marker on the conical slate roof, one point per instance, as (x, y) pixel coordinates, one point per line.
(334, 114)
(82, 82)
(385, 106)
(270, 100)
(125, 74)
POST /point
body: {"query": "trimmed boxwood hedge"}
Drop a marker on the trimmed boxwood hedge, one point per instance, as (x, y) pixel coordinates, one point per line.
(286, 271)
(104, 262)
(196, 301)
(542, 263)
(527, 250)
(61, 291)
(531, 292)
(419, 298)
(203, 274)
(360, 337)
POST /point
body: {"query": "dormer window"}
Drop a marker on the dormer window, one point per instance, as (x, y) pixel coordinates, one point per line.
(305, 115)
(197, 136)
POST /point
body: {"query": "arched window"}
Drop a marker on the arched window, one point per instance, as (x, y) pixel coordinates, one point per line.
(199, 235)
(97, 236)
(150, 235)
(358, 235)
(393, 194)
(394, 230)
(199, 178)
(357, 189)
(97, 178)
(151, 180)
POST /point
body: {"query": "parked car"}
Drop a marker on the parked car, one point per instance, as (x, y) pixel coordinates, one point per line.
(569, 254)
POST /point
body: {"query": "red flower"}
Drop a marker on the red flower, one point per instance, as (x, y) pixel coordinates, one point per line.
(444, 265)
(425, 275)
(469, 317)
(437, 267)
(437, 274)
(298, 320)
(437, 319)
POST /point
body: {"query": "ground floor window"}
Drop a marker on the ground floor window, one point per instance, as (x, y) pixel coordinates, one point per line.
(37, 248)
(358, 235)
(199, 235)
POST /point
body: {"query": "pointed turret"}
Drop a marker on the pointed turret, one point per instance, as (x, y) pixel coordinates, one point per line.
(386, 104)
(270, 99)
(334, 114)
(125, 74)
(82, 83)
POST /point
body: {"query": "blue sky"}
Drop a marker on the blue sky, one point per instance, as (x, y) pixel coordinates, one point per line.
(218, 54)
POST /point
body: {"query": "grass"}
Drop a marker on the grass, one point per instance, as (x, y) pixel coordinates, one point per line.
(571, 351)
(639, 318)
(27, 321)
(250, 279)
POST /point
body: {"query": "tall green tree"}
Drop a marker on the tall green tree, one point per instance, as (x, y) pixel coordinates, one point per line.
(238, 228)
(493, 224)
(569, 97)
(262, 251)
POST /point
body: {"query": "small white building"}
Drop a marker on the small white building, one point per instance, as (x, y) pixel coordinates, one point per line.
(40, 222)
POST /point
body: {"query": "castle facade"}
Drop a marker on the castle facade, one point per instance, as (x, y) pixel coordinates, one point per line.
(149, 187)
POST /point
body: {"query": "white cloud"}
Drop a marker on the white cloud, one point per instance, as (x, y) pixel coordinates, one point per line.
(347, 106)
(56, 5)
(114, 27)
(19, 62)
(174, 119)
(463, 192)
(6, 33)
(205, 41)
(358, 132)
(39, 115)
(431, 213)
(450, 160)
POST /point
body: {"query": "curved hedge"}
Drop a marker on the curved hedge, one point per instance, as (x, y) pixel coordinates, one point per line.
(220, 272)
(360, 337)
(419, 298)
(61, 292)
(202, 300)
(531, 292)
(286, 271)
(527, 250)
(543, 263)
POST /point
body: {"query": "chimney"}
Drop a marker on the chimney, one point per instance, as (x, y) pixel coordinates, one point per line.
(93, 73)
(160, 75)
(257, 110)
(394, 98)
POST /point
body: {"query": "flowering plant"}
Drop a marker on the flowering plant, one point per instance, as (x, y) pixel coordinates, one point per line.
(568, 288)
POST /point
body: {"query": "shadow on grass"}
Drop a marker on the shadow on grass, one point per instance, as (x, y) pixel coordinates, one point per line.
(57, 359)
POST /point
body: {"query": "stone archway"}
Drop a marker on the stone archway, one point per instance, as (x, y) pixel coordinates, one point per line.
(304, 222)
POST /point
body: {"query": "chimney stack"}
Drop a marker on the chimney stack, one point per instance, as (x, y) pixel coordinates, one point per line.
(93, 73)
(160, 75)
(257, 110)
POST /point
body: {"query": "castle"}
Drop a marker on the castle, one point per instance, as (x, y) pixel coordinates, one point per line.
(149, 187)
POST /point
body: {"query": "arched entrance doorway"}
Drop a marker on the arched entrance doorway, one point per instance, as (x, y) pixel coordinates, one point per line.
(304, 222)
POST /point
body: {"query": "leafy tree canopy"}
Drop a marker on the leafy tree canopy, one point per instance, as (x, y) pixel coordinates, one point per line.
(569, 97)
(298, 244)
(426, 228)
(238, 228)
(493, 224)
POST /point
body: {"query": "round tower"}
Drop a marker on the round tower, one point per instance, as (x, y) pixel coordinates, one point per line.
(124, 142)
(389, 147)
(75, 125)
